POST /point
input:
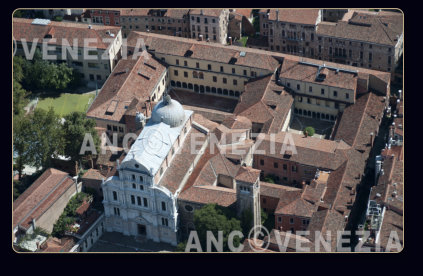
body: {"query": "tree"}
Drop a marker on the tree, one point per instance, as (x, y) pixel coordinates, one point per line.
(19, 93)
(309, 131)
(42, 74)
(37, 138)
(214, 218)
(75, 127)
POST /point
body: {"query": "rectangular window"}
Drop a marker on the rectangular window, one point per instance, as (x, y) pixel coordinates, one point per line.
(139, 201)
(335, 93)
(298, 87)
(145, 202)
(262, 162)
(132, 199)
(285, 167)
(197, 65)
(275, 165)
(294, 168)
(209, 67)
(185, 63)
(214, 79)
(279, 219)
(291, 220)
(114, 195)
(310, 89)
(347, 96)
(177, 62)
(175, 72)
(322, 91)
(233, 70)
(185, 74)
(163, 206)
(245, 72)
(235, 82)
(221, 68)
(224, 80)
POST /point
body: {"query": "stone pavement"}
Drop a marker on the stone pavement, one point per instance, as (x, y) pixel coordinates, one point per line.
(323, 128)
(117, 242)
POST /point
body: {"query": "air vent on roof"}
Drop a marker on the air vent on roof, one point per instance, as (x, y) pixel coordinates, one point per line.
(242, 54)
(232, 60)
(188, 53)
(149, 65)
(142, 75)
(39, 21)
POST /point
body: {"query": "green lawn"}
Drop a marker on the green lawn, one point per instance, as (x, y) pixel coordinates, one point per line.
(66, 103)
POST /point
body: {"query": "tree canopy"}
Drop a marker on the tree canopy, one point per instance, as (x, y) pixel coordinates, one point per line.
(214, 218)
(309, 131)
(75, 127)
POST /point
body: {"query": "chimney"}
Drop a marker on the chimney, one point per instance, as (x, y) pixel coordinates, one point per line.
(371, 138)
(33, 223)
(90, 27)
(75, 180)
(230, 40)
(277, 14)
(400, 94)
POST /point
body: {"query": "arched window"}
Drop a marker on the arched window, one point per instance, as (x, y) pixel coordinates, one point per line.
(202, 88)
(178, 84)
(236, 93)
(207, 88)
(141, 179)
(184, 85)
(195, 74)
(190, 86)
(201, 75)
(172, 83)
(196, 87)
(213, 90)
(231, 93)
(225, 91)
(219, 91)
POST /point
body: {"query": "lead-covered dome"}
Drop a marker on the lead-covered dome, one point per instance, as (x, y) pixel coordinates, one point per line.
(169, 112)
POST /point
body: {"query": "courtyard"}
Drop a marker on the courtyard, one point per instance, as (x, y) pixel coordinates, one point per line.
(66, 103)
(322, 128)
(117, 242)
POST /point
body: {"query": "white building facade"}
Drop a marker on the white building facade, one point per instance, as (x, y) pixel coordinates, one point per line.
(136, 202)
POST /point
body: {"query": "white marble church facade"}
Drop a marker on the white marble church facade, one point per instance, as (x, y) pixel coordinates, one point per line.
(136, 203)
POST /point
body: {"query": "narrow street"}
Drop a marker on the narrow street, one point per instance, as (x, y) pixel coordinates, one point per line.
(358, 212)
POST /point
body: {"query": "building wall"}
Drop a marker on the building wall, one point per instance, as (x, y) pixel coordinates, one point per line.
(156, 24)
(97, 69)
(216, 28)
(268, 203)
(92, 235)
(288, 176)
(303, 40)
(105, 17)
(50, 216)
(284, 221)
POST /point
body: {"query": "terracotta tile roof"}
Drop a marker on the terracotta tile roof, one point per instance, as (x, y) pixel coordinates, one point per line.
(206, 12)
(178, 46)
(382, 28)
(288, 242)
(57, 245)
(298, 207)
(134, 12)
(182, 162)
(244, 12)
(296, 16)
(304, 72)
(326, 221)
(131, 79)
(40, 196)
(317, 188)
(176, 13)
(209, 194)
(311, 151)
(392, 221)
(265, 102)
(237, 122)
(279, 191)
(248, 174)
(93, 174)
(23, 29)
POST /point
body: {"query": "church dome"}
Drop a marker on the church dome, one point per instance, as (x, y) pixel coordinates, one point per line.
(169, 112)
